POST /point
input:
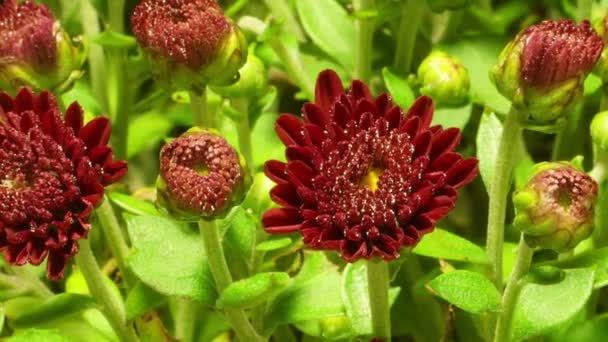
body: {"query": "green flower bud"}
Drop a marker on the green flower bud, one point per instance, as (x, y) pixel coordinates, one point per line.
(190, 44)
(35, 51)
(555, 209)
(201, 176)
(444, 79)
(599, 130)
(442, 5)
(542, 70)
(252, 80)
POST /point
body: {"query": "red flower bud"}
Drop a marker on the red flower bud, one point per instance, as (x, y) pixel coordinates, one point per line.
(186, 37)
(557, 50)
(34, 50)
(201, 175)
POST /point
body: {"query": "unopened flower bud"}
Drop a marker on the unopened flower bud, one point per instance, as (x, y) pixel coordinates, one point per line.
(599, 130)
(35, 51)
(444, 79)
(190, 43)
(542, 70)
(201, 176)
(555, 209)
(252, 80)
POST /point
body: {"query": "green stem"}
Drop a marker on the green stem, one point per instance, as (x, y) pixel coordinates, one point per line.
(365, 32)
(294, 65)
(509, 299)
(599, 172)
(281, 9)
(185, 320)
(499, 190)
(221, 274)
(411, 15)
(35, 285)
(119, 99)
(200, 115)
(244, 129)
(377, 287)
(116, 11)
(115, 240)
(97, 67)
(110, 304)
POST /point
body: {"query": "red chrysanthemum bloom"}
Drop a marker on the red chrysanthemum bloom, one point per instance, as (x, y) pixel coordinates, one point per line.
(362, 177)
(201, 175)
(27, 33)
(557, 50)
(52, 174)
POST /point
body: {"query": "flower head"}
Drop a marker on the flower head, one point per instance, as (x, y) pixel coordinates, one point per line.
(35, 51)
(183, 37)
(52, 174)
(542, 70)
(555, 209)
(362, 177)
(201, 175)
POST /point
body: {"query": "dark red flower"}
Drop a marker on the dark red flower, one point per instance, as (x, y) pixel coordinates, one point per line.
(201, 175)
(185, 31)
(557, 50)
(52, 174)
(362, 177)
(27, 33)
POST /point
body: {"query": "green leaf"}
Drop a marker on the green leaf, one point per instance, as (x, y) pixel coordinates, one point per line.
(133, 205)
(541, 308)
(488, 140)
(441, 244)
(240, 231)
(399, 88)
(453, 116)
(478, 55)
(467, 290)
(142, 299)
(314, 294)
(356, 298)
(253, 291)
(169, 257)
(37, 335)
(112, 39)
(54, 308)
(592, 330)
(147, 130)
(329, 27)
(273, 244)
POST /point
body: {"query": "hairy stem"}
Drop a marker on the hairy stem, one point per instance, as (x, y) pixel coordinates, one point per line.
(115, 239)
(200, 115)
(498, 192)
(365, 33)
(244, 129)
(411, 15)
(509, 298)
(221, 274)
(110, 305)
(377, 287)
